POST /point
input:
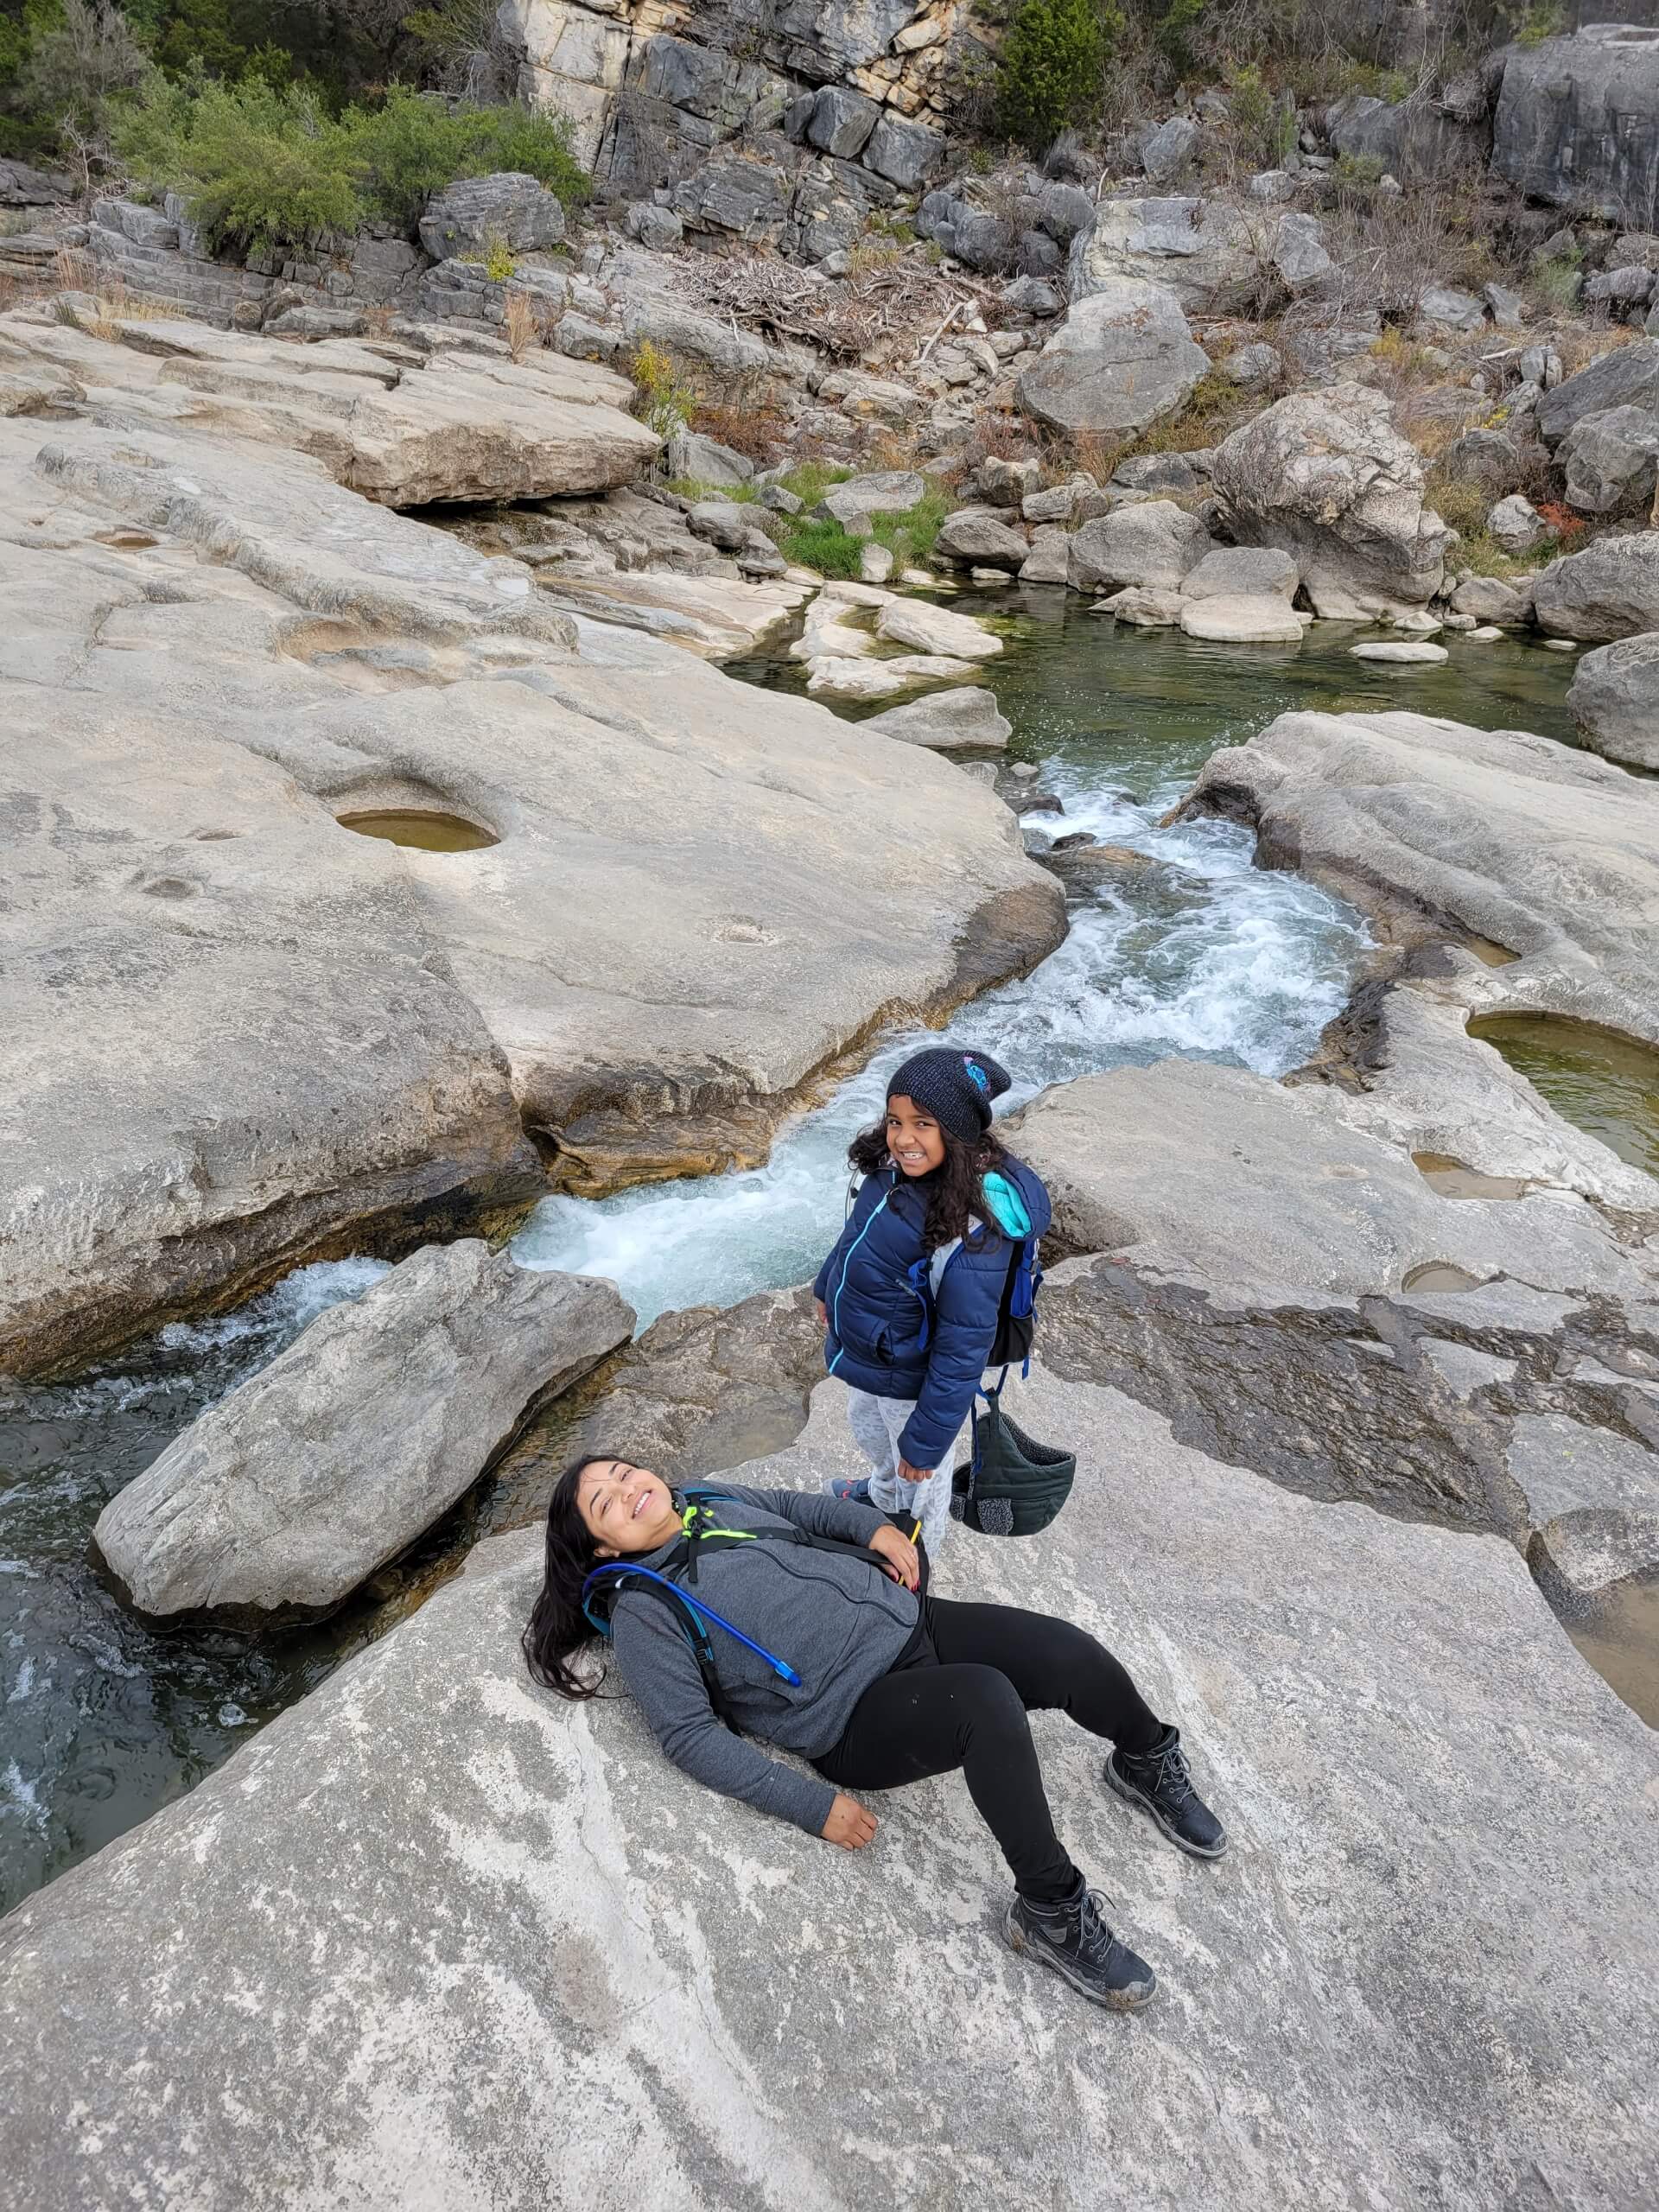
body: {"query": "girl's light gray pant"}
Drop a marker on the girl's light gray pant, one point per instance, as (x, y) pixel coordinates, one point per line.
(877, 1425)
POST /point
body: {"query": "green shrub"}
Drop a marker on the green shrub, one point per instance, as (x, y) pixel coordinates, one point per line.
(265, 165)
(498, 263)
(1539, 23)
(1051, 68)
(909, 537)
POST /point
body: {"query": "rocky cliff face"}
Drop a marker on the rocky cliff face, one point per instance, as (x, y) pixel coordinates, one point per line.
(1578, 121)
(651, 87)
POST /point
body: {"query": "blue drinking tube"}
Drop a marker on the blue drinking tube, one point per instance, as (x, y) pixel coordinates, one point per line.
(780, 1667)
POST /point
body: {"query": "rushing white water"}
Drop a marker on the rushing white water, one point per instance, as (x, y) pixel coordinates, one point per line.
(1216, 960)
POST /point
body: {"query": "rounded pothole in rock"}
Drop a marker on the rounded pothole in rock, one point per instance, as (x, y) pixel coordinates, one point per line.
(426, 830)
(1606, 1084)
(1439, 1274)
(1453, 1180)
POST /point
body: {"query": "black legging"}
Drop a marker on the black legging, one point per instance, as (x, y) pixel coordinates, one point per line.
(958, 1696)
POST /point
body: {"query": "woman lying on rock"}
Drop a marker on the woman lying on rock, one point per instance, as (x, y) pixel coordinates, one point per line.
(803, 1619)
(940, 1243)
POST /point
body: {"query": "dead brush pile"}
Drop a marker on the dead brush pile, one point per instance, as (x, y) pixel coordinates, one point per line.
(895, 309)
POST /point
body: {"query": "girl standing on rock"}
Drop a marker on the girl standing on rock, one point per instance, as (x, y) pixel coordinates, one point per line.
(797, 1617)
(910, 1296)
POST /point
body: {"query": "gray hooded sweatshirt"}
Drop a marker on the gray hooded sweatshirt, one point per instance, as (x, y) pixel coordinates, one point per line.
(839, 1623)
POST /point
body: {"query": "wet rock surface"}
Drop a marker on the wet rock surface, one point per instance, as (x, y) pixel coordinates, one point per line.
(474, 1827)
(1434, 828)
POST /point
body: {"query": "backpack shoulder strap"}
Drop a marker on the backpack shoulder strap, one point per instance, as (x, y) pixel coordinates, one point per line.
(623, 1581)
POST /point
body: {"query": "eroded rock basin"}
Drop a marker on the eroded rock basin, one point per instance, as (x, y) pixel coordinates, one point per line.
(1603, 1084)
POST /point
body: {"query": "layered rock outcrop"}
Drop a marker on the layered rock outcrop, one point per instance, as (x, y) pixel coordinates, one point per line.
(1437, 829)
(1578, 121)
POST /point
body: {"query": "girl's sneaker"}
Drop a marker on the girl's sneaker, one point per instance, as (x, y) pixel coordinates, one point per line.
(1073, 1939)
(849, 1490)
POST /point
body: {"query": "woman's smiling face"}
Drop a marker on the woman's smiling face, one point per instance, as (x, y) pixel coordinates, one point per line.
(626, 1509)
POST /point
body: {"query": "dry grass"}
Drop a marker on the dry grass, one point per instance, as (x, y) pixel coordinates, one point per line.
(759, 433)
(520, 326)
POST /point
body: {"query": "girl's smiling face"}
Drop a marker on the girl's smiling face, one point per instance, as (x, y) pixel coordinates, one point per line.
(914, 1139)
(626, 1509)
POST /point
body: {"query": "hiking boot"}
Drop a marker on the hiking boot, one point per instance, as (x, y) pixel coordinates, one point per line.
(849, 1491)
(1073, 1939)
(1160, 1783)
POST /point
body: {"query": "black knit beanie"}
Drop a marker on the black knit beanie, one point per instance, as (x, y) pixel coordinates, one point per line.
(956, 1088)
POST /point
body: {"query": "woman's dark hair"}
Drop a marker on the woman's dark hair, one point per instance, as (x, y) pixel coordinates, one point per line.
(557, 1628)
(953, 1191)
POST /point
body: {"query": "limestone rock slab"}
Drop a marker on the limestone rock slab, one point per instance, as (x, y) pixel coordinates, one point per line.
(428, 1826)
(1614, 696)
(1436, 827)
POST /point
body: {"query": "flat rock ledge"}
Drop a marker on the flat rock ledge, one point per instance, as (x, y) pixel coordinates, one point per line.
(292, 1490)
(452, 1942)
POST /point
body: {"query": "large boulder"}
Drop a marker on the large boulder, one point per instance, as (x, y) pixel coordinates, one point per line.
(1609, 590)
(1578, 121)
(906, 154)
(975, 538)
(885, 491)
(1152, 545)
(1324, 476)
(841, 122)
(429, 1866)
(721, 357)
(1626, 376)
(1526, 843)
(465, 219)
(1610, 462)
(1614, 696)
(1411, 138)
(293, 1489)
(1247, 571)
(1123, 359)
(965, 719)
(1215, 258)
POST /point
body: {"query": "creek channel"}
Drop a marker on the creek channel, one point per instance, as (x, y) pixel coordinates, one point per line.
(106, 1719)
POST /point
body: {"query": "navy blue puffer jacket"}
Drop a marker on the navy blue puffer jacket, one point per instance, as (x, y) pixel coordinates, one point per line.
(890, 1333)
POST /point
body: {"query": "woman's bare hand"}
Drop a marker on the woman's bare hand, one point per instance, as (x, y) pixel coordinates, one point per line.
(909, 1474)
(899, 1553)
(823, 1312)
(849, 1825)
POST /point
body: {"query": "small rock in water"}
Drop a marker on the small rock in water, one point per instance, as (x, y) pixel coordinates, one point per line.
(231, 1716)
(1459, 621)
(1488, 634)
(1401, 652)
(1560, 645)
(993, 579)
(1418, 622)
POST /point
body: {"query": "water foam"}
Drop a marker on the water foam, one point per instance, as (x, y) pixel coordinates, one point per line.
(1215, 959)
